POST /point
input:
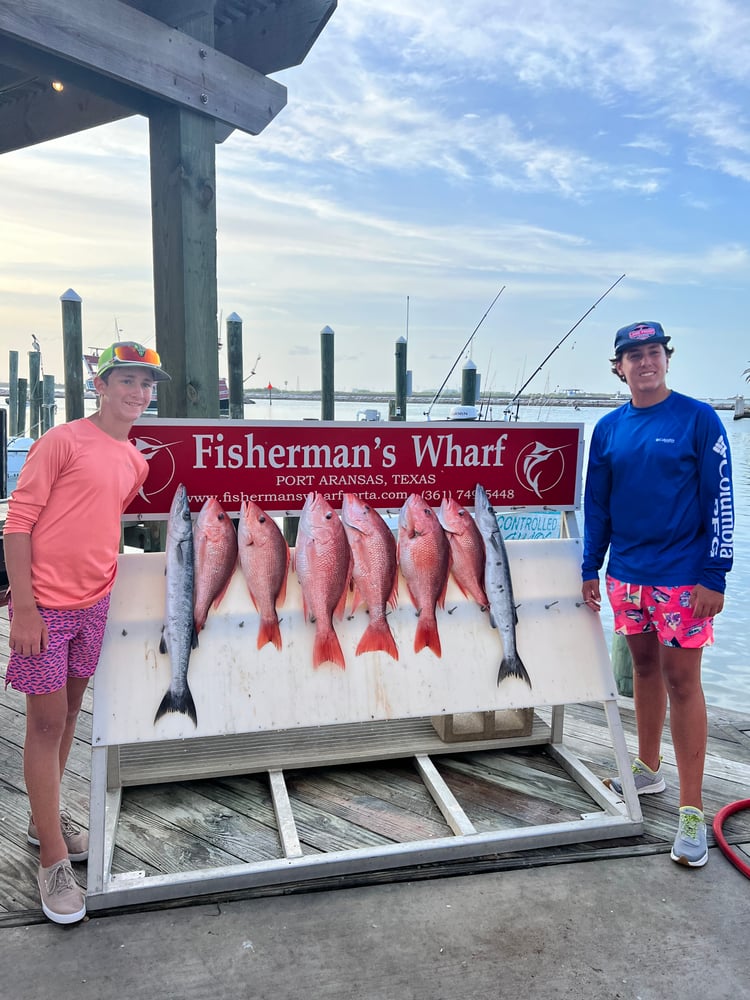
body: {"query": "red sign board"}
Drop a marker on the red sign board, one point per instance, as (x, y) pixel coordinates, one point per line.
(276, 464)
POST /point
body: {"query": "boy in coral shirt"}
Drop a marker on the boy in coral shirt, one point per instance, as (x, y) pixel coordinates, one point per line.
(83, 472)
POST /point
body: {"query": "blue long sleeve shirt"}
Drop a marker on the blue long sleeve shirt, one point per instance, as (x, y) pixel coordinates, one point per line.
(659, 496)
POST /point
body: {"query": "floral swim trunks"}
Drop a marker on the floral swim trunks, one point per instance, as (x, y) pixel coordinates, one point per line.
(665, 610)
(75, 642)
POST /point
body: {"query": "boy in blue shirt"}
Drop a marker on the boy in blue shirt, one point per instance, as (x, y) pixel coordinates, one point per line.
(659, 497)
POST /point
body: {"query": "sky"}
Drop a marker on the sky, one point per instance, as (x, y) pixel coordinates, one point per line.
(430, 155)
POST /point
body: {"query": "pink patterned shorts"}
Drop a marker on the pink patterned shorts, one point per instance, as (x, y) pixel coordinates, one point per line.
(665, 610)
(75, 642)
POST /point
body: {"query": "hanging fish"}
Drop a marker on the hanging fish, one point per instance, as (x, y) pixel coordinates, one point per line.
(264, 558)
(467, 550)
(424, 557)
(179, 637)
(322, 561)
(375, 571)
(499, 587)
(215, 549)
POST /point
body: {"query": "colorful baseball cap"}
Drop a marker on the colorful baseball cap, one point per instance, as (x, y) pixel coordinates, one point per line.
(128, 353)
(640, 333)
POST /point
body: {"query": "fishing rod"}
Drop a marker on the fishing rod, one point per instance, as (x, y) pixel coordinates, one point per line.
(560, 343)
(473, 332)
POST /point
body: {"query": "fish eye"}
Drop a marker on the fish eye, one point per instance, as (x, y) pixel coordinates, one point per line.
(328, 516)
(222, 516)
(262, 519)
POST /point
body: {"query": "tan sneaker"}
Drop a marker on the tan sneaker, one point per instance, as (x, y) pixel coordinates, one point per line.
(76, 839)
(63, 900)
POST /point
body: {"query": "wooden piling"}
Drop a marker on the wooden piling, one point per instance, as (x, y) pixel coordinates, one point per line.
(23, 387)
(12, 393)
(327, 404)
(399, 410)
(72, 354)
(35, 394)
(48, 403)
(469, 384)
(234, 361)
(3, 453)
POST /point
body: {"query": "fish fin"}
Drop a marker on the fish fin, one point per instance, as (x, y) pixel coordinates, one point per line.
(427, 636)
(340, 608)
(220, 596)
(269, 631)
(200, 622)
(513, 667)
(376, 638)
(443, 592)
(172, 702)
(162, 643)
(393, 596)
(281, 596)
(327, 649)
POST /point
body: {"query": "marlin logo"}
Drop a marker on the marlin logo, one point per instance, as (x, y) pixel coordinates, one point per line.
(161, 465)
(148, 447)
(540, 467)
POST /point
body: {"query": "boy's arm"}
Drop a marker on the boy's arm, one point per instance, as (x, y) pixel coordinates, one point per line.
(28, 633)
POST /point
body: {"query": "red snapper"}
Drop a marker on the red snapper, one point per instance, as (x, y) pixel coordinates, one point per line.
(322, 561)
(215, 545)
(375, 571)
(424, 557)
(264, 558)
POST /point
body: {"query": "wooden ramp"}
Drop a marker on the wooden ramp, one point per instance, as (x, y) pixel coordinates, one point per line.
(214, 823)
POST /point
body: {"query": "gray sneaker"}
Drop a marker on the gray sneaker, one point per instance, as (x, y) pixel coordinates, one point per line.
(647, 782)
(690, 843)
(63, 900)
(76, 839)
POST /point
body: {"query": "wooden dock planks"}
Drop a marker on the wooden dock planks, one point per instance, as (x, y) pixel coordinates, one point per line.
(167, 827)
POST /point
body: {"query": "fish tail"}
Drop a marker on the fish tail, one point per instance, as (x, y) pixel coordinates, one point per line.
(378, 637)
(269, 631)
(177, 702)
(427, 636)
(327, 649)
(512, 666)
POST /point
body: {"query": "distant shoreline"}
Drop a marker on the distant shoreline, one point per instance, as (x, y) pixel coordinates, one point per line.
(604, 400)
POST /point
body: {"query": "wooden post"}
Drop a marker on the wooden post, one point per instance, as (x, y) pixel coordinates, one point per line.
(399, 412)
(622, 665)
(72, 354)
(35, 394)
(48, 402)
(469, 384)
(234, 360)
(23, 386)
(3, 453)
(13, 393)
(327, 402)
(183, 211)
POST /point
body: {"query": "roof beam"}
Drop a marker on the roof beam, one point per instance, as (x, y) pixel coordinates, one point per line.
(122, 43)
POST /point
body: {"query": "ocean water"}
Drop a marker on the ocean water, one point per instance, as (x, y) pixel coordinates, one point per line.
(726, 664)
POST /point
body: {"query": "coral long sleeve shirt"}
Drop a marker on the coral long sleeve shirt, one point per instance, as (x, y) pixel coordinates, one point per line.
(72, 489)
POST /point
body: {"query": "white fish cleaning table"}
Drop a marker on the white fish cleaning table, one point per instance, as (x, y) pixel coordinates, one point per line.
(269, 711)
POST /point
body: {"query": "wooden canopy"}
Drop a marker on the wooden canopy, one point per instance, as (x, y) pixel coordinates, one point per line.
(197, 69)
(115, 58)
